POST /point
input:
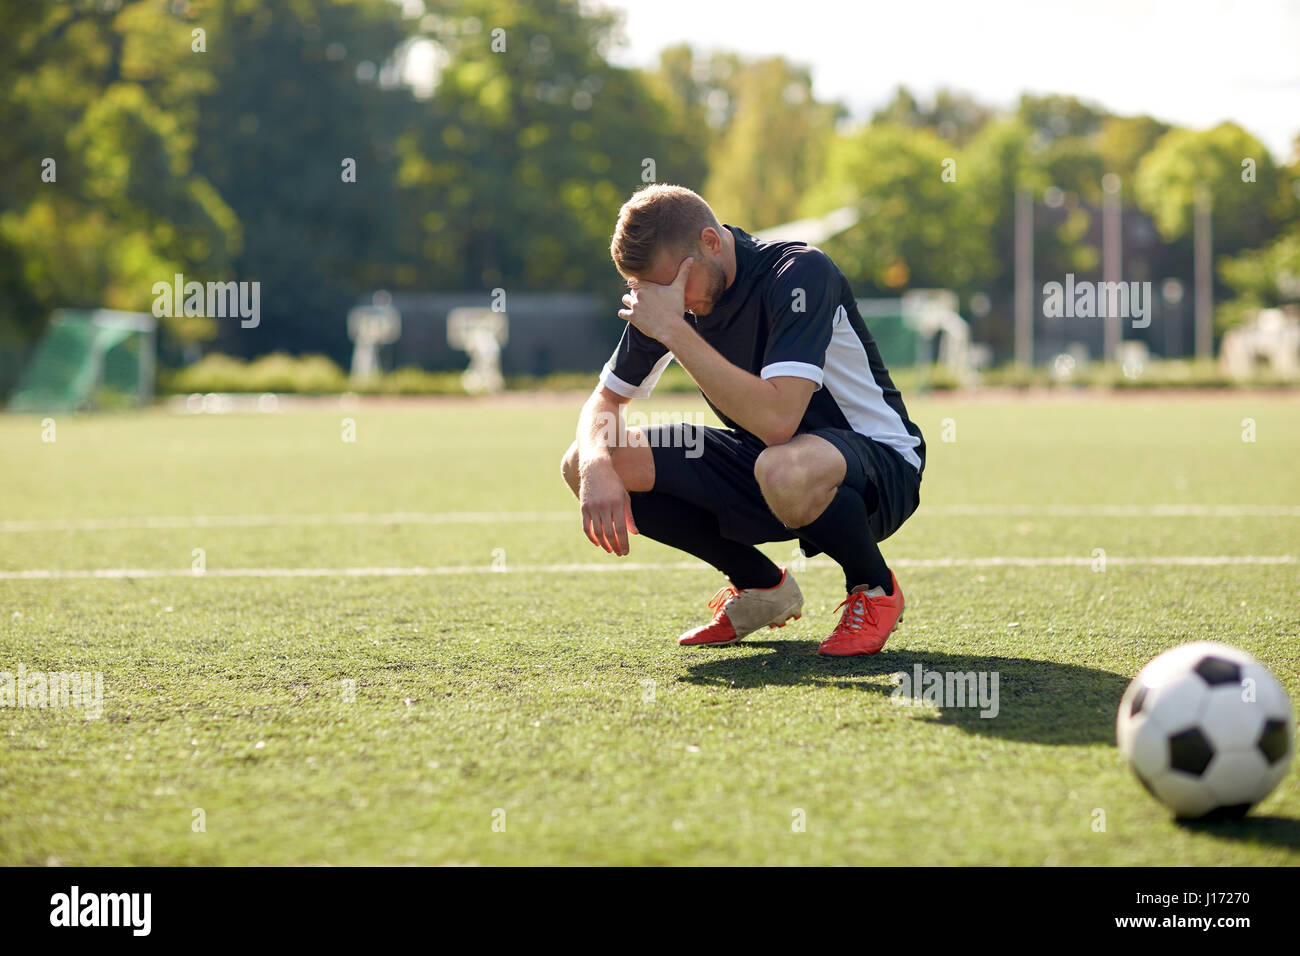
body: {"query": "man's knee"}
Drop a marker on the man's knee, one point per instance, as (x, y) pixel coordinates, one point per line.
(784, 480)
(635, 467)
(778, 471)
(569, 467)
(795, 491)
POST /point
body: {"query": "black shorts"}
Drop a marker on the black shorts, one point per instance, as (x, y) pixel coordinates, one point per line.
(713, 468)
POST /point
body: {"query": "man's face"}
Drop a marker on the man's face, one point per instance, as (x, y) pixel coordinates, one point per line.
(705, 284)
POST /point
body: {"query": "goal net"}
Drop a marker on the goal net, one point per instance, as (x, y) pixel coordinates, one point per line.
(90, 359)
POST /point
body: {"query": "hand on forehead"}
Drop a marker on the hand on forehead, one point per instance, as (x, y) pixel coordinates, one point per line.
(665, 270)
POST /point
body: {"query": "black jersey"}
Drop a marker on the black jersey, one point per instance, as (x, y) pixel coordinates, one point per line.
(789, 312)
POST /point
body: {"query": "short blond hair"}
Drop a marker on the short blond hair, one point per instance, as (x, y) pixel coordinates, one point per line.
(658, 217)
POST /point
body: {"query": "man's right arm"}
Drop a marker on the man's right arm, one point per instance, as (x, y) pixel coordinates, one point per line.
(632, 372)
(606, 507)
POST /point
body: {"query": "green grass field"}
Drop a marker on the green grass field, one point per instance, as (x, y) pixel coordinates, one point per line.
(368, 718)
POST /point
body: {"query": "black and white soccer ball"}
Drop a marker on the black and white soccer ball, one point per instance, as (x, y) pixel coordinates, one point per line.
(1207, 729)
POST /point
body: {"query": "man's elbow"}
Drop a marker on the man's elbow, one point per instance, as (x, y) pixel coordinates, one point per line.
(785, 414)
(778, 432)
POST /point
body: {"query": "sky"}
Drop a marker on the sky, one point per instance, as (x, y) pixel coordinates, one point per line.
(1194, 63)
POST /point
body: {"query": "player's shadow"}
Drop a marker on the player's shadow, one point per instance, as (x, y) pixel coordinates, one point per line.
(1036, 701)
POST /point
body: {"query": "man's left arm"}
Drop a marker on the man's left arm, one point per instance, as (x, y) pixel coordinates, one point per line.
(769, 406)
(770, 409)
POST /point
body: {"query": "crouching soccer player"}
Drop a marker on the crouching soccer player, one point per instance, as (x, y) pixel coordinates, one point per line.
(818, 446)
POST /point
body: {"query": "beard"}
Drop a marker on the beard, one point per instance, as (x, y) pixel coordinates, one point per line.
(717, 285)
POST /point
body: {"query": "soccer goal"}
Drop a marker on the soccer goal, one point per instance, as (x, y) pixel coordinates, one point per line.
(90, 359)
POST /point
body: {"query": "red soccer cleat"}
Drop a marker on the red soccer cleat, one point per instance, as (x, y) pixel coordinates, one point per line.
(866, 623)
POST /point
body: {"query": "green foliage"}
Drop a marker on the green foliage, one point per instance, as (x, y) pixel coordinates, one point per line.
(505, 163)
(298, 92)
(773, 149)
(276, 372)
(1058, 116)
(954, 116)
(916, 229)
(1001, 159)
(1009, 155)
(1244, 212)
(1251, 199)
(1014, 375)
(703, 90)
(1262, 278)
(1271, 273)
(917, 379)
(1154, 374)
(411, 381)
(109, 97)
(516, 171)
(1123, 142)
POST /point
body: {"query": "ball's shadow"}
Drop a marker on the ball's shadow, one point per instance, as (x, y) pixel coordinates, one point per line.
(1261, 829)
(1037, 701)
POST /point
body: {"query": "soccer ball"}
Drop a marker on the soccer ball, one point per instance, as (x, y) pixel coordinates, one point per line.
(1207, 729)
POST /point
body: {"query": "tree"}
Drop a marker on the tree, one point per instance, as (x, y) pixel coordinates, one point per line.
(1003, 158)
(1123, 141)
(954, 116)
(1056, 116)
(1268, 276)
(1006, 156)
(919, 227)
(299, 135)
(957, 117)
(1261, 278)
(529, 145)
(1248, 194)
(702, 91)
(103, 199)
(902, 110)
(774, 149)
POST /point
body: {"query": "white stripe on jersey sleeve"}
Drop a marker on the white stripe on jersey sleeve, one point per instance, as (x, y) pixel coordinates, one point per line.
(626, 389)
(794, 370)
(851, 384)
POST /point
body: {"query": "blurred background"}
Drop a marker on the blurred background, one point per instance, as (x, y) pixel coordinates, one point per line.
(418, 188)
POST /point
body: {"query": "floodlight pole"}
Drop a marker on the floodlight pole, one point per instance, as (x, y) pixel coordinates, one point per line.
(1024, 277)
(1202, 251)
(1112, 257)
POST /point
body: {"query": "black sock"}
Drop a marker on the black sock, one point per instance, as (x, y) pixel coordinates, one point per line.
(687, 527)
(841, 531)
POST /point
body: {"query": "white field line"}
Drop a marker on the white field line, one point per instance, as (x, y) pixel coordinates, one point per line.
(285, 520)
(523, 517)
(624, 566)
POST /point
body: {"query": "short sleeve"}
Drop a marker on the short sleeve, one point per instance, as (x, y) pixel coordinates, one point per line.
(802, 304)
(634, 368)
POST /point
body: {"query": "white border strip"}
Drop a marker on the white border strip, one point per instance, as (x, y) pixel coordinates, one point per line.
(416, 572)
(519, 517)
